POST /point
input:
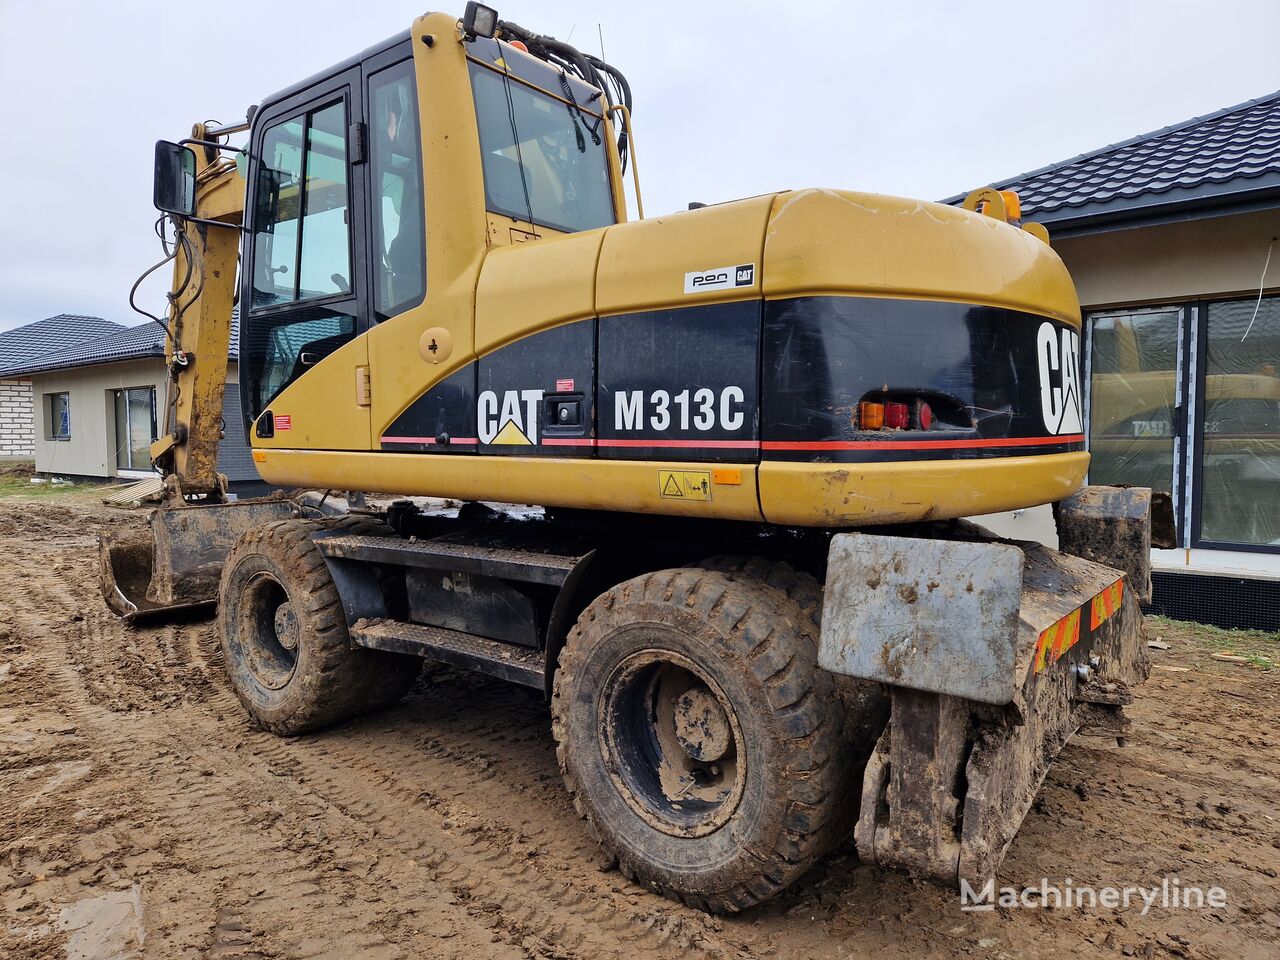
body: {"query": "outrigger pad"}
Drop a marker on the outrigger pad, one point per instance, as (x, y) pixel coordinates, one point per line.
(1111, 525)
(933, 615)
(950, 781)
(965, 750)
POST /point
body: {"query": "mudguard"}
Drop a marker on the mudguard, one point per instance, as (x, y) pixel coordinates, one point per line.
(996, 653)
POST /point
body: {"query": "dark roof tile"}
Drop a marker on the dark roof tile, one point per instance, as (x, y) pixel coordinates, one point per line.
(123, 343)
(1234, 149)
(33, 341)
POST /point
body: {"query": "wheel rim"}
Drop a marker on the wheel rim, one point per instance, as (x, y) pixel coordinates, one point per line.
(272, 634)
(672, 743)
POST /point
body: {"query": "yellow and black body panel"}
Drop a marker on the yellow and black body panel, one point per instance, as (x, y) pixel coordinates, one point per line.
(616, 410)
(709, 363)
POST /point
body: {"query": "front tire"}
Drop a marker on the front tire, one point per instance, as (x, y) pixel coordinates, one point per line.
(698, 736)
(284, 635)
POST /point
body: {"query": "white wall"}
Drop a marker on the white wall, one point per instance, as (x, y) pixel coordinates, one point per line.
(17, 420)
(1033, 523)
(91, 450)
(1220, 256)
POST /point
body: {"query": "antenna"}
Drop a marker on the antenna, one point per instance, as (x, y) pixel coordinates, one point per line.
(600, 33)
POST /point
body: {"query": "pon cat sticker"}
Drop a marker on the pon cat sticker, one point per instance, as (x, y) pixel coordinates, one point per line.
(720, 278)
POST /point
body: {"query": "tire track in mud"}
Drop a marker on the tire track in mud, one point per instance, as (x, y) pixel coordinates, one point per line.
(178, 766)
(488, 863)
(441, 827)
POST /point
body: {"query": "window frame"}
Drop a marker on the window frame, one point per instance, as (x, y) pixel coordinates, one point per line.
(1189, 436)
(1180, 484)
(370, 69)
(1200, 371)
(50, 434)
(118, 393)
(314, 103)
(345, 86)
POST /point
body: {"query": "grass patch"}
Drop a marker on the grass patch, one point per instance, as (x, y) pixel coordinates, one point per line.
(15, 481)
(1259, 648)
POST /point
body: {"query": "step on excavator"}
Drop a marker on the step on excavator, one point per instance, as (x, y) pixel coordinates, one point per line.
(701, 479)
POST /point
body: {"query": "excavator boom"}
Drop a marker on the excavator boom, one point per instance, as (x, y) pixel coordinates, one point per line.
(199, 325)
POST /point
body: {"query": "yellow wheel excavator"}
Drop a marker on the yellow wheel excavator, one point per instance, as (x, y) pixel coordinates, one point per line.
(700, 478)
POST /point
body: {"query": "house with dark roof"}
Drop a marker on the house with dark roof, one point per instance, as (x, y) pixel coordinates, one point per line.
(1172, 240)
(98, 402)
(26, 343)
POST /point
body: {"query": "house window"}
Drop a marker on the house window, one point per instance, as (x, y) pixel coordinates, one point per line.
(135, 409)
(57, 413)
(1186, 399)
(1240, 441)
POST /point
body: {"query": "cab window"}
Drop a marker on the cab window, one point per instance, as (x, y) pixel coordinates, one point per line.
(543, 157)
(282, 347)
(399, 267)
(302, 244)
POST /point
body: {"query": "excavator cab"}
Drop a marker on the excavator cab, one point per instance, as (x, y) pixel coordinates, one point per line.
(325, 211)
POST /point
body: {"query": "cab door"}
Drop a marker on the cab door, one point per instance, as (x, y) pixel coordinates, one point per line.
(304, 292)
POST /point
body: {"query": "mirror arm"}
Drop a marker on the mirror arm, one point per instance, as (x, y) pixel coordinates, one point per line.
(213, 145)
(212, 223)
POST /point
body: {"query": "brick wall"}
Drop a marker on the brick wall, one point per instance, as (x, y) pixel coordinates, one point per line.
(17, 419)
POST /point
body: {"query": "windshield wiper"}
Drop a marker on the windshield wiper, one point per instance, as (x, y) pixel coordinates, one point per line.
(575, 114)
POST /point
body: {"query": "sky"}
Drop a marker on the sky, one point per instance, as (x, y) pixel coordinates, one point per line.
(923, 99)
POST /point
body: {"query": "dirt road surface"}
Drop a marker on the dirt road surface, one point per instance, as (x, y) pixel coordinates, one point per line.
(142, 815)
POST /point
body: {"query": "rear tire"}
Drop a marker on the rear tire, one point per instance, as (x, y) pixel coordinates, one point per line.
(284, 635)
(866, 704)
(698, 737)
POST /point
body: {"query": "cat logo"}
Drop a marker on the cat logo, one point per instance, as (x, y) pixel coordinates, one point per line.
(511, 422)
(1058, 352)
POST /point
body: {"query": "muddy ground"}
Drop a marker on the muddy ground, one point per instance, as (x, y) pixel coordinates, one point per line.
(142, 815)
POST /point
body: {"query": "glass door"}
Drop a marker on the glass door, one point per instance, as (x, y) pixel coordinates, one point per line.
(1238, 463)
(1135, 399)
(135, 412)
(303, 296)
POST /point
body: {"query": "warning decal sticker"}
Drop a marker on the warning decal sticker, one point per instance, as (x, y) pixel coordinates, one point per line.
(684, 484)
(1105, 605)
(1057, 640)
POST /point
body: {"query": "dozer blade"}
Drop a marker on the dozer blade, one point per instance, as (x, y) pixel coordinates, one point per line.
(996, 654)
(178, 563)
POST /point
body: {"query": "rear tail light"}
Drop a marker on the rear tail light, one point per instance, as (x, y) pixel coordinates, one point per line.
(885, 414)
(870, 415)
(925, 416)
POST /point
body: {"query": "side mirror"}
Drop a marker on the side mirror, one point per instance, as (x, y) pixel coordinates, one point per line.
(175, 179)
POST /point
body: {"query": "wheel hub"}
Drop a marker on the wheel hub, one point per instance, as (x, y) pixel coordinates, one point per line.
(271, 630)
(701, 725)
(286, 624)
(674, 747)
